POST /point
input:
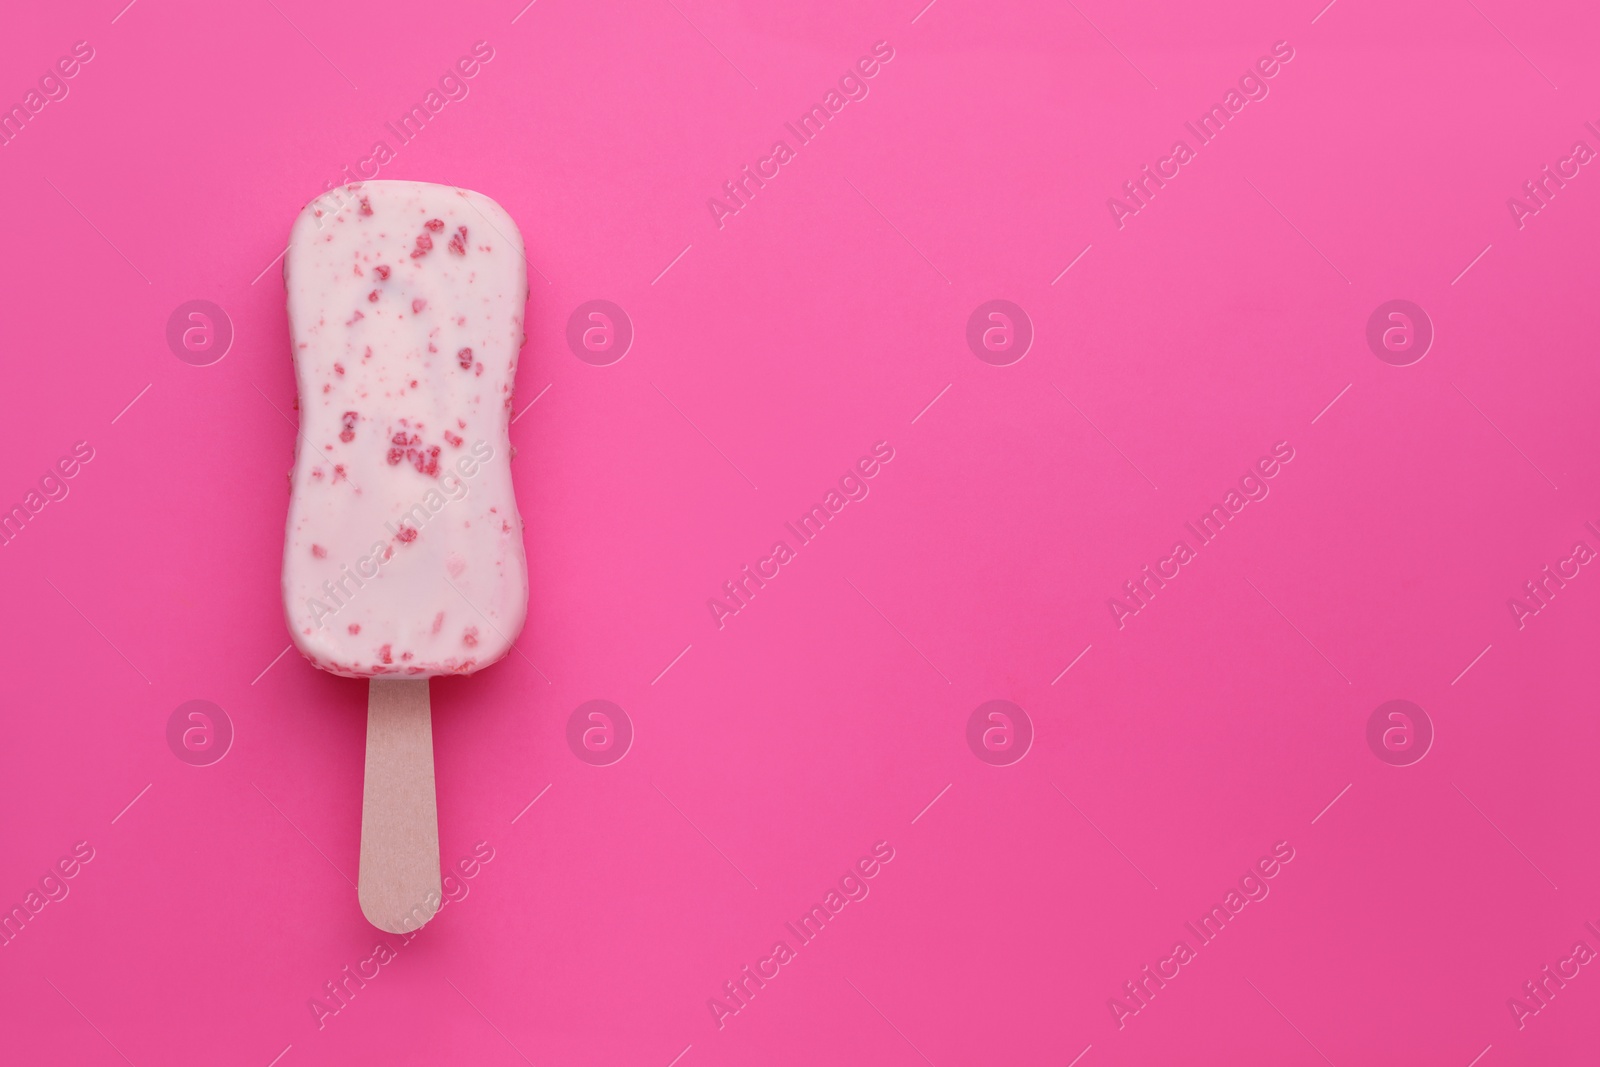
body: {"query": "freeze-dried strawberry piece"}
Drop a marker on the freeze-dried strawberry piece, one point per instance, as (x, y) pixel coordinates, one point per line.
(347, 422)
(464, 357)
(426, 460)
(382, 272)
(458, 242)
(434, 224)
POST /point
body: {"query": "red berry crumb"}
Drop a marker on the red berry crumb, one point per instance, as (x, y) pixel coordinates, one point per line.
(382, 272)
(386, 654)
(338, 368)
(424, 246)
(458, 243)
(464, 357)
(425, 460)
(470, 638)
(434, 224)
(396, 455)
(455, 442)
(417, 306)
(348, 422)
(319, 552)
(406, 535)
(372, 297)
(355, 627)
(366, 206)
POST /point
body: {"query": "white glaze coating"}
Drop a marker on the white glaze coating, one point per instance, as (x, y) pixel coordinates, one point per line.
(403, 553)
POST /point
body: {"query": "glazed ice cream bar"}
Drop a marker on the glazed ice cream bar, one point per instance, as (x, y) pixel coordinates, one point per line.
(403, 555)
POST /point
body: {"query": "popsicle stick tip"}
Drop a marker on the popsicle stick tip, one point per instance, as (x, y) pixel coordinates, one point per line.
(381, 911)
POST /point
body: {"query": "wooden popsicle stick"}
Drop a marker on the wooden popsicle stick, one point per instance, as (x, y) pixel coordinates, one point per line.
(399, 877)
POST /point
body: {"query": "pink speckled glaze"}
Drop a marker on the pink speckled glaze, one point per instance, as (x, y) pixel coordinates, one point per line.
(403, 553)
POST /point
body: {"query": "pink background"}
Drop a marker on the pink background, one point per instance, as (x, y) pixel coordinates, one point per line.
(825, 717)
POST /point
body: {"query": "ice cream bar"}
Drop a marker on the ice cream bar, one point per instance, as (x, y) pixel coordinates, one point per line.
(404, 549)
(403, 557)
